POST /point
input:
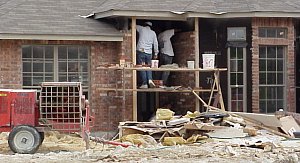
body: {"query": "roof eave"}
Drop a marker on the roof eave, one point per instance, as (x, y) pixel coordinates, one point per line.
(182, 16)
(153, 15)
(244, 14)
(60, 37)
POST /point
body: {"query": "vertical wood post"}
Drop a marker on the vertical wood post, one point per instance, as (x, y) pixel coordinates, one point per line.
(134, 73)
(197, 58)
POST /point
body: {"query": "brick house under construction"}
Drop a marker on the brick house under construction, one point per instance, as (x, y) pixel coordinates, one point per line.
(257, 41)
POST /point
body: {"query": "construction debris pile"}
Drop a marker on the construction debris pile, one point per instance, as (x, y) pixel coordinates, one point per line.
(214, 136)
(168, 129)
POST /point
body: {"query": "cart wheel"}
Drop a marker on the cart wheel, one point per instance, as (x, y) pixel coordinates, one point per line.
(42, 134)
(24, 139)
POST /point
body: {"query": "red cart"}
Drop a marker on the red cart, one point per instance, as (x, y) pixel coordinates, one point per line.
(61, 107)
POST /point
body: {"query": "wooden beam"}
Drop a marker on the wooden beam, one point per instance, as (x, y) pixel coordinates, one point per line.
(197, 73)
(134, 78)
(218, 84)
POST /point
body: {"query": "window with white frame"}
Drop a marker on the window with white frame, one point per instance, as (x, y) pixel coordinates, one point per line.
(271, 78)
(55, 63)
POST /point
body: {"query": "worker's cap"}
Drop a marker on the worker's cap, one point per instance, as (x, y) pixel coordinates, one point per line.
(148, 23)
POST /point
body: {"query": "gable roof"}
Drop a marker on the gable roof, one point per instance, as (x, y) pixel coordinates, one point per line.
(198, 8)
(53, 20)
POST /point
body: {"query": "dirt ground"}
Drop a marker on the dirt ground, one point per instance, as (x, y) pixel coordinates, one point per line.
(69, 148)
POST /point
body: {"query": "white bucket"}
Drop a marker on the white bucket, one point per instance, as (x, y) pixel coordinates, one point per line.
(154, 63)
(208, 61)
(191, 64)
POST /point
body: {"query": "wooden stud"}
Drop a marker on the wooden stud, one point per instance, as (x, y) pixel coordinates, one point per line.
(134, 73)
(197, 73)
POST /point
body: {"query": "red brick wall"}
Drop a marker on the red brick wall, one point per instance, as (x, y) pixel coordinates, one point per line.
(290, 63)
(10, 64)
(184, 49)
(108, 106)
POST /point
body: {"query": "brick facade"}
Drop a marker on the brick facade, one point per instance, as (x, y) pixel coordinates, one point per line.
(10, 64)
(290, 63)
(108, 106)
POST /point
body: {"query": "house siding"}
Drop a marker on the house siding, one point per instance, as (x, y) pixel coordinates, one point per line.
(290, 63)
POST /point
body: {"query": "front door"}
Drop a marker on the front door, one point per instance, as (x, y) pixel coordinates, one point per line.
(237, 96)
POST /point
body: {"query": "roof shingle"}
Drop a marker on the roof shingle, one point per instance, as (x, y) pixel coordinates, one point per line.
(52, 17)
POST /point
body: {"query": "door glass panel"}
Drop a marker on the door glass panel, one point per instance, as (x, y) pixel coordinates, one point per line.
(233, 66)
(233, 79)
(240, 65)
(232, 53)
(239, 53)
(240, 78)
(237, 74)
(237, 99)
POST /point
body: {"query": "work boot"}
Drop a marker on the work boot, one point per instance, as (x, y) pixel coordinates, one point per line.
(151, 84)
(144, 86)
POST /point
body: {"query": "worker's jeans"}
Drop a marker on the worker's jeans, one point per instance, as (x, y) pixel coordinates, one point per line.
(164, 60)
(144, 58)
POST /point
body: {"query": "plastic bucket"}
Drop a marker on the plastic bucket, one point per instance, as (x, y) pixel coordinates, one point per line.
(191, 64)
(154, 63)
(208, 61)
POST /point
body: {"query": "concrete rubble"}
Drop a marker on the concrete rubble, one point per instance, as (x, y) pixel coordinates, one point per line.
(194, 137)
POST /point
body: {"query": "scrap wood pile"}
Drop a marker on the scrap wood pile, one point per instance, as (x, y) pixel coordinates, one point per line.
(195, 127)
